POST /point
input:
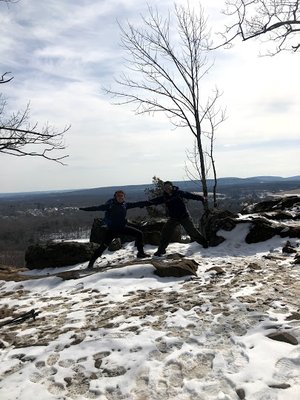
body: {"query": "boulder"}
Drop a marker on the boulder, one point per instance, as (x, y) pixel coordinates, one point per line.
(214, 220)
(97, 234)
(280, 215)
(283, 337)
(97, 231)
(52, 254)
(241, 393)
(175, 266)
(293, 316)
(290, 231)
(151, 229)
(261, 230)
(296, 259)
(289, 248)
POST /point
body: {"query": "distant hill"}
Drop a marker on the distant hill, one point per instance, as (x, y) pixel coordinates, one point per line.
(256, 183)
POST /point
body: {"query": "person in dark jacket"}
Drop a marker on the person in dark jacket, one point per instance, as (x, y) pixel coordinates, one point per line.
(178, 214)
(115, 219)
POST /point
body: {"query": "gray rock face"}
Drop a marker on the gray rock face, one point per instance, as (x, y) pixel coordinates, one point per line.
(55, 255)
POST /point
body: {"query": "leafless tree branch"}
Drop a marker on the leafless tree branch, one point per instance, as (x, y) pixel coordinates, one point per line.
(19, 137)
(277, 21)
(5, 80)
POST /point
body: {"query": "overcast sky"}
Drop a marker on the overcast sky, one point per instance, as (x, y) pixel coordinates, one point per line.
(62, 53)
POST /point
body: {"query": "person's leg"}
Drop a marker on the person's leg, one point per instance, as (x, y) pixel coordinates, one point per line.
(139, 239)
(133, 225)
(166, 235)
(191, 230)
(108, 237)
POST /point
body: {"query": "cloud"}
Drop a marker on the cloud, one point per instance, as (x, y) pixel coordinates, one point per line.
(63, 53)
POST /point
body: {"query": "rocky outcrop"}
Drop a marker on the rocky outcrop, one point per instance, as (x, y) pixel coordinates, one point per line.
(263, 229)
(215, 220)
(46, 255)
(278, 204)
(272, 217)
(268, 218)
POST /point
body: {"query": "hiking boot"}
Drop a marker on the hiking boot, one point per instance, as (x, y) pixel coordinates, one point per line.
(205, 244)
(142, 254)
(90, 265)
(159, 253)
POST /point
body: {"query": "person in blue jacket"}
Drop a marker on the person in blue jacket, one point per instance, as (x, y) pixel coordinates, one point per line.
(115, 219)
(178, 214)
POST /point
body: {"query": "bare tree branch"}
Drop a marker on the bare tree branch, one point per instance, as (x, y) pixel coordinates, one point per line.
(277, 21)
(19, 137)
(5, 80)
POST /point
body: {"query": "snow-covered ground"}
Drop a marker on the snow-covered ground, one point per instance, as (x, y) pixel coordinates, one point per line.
(126, 333)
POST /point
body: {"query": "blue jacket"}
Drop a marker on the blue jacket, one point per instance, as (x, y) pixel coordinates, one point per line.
(115, 212)
(175, 202)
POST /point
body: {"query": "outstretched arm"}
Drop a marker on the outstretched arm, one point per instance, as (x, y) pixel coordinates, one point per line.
(192, 196)
(156, 201)
(139, 204)
(103, 207)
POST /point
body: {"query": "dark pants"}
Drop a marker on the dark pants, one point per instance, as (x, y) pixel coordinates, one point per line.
(111, 234)
(169, 228)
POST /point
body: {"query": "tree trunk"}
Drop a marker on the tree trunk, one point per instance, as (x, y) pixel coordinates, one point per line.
(202, 164)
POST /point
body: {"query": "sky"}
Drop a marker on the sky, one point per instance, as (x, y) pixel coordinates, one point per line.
(126, 333)
(63, 53)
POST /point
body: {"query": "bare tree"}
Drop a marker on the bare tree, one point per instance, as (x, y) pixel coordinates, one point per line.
(214, 118)
(167, 63)
(277, 21)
